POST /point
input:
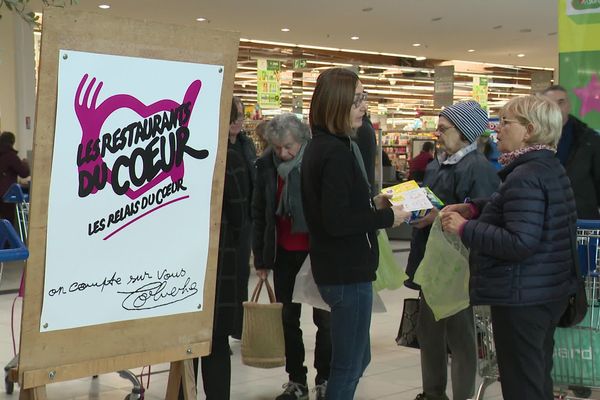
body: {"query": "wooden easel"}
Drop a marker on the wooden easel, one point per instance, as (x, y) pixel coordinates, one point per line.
(92, 350)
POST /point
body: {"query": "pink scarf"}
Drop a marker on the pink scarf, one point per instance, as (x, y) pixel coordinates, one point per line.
(508, 158)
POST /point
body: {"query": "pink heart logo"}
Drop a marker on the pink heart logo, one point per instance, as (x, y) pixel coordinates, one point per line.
(94, 173)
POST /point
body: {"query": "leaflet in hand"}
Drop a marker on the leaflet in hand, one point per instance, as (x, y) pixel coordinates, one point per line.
(409, 195)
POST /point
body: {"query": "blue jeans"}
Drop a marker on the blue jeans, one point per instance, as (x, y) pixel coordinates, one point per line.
(351, 306)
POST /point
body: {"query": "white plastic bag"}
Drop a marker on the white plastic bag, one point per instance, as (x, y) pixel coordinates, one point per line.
(305, 288)
(306, 291)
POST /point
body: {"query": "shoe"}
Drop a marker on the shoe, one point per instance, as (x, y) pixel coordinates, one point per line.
(321, 390)
(421, 396)
(293, 391)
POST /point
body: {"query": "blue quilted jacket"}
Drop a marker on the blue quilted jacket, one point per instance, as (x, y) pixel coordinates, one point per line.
(521, 244)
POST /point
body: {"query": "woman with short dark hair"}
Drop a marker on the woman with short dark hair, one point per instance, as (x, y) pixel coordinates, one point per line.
(342, 222)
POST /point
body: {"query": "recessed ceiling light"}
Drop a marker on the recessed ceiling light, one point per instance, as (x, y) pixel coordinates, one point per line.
(421, 58)
(285, 29)
(104, 6)
(201, 19)
(525, 30)
(436, 19)
(471, 50)
(354, 37)
(520, 55)
(362, 71)
(497, 27)
(416, 44)
(367, 9)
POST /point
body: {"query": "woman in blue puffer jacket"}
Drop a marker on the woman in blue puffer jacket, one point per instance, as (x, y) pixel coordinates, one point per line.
(521, 242)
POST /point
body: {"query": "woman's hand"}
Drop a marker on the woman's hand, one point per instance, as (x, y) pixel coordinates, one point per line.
(400, 215)
(426, 220)
(263, 273)
(452, 221)
(382, 200)
(463, 209)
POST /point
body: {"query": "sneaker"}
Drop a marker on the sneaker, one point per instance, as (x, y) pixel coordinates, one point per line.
(321, 390)
(293, 391)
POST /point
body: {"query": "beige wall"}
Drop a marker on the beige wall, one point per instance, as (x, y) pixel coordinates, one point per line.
(17, 80)
(8, 107)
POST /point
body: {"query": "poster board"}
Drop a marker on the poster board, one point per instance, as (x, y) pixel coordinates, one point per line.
(113, 48)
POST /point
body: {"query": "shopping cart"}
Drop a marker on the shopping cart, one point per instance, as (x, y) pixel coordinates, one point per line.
(11, 249)
(487, 361)
(577, 349)
(15, 195)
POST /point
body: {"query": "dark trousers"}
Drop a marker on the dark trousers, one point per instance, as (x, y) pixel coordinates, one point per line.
(456, 333)
(287, 265)
(243, 275)
(216, 370)
(524, 338)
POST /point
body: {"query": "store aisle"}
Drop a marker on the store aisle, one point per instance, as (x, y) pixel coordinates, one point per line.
(394, 372)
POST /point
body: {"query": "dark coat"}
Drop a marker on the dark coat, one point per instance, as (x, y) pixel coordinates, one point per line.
(583, 169)
(521, 244)
(11, 166)
(473, 176)
(341, 218)
(367, 144)
(234, 215)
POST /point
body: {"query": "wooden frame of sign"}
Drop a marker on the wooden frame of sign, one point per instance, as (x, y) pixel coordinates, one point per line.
(67, 354)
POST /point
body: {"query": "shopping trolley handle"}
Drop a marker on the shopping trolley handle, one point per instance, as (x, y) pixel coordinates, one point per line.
(15, 194)
(588, 224)
(11, 246)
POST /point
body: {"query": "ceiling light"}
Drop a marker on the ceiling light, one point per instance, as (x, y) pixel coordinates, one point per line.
(367, 9)
(285, 29)
(416, 44)
(354, 37)
(362, 71)
(200, 19)
(520, 55)
(471, 50)
(104, 6)
(420, 58)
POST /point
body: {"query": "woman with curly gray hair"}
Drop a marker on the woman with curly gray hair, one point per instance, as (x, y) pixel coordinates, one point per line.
(280, 243)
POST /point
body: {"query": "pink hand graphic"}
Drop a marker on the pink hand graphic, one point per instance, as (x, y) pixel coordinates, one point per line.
(92, 117)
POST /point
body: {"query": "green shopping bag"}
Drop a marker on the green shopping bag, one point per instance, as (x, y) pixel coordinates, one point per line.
(389, 274)
(576, 356)
(444, 273)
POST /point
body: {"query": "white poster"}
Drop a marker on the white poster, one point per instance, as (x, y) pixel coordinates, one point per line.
(129, 208)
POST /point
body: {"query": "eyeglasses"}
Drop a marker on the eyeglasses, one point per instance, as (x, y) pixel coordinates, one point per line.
(443, 129)
(507, 121)
(359, 98)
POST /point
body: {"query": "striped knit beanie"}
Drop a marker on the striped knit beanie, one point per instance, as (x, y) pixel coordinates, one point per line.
(468, 117)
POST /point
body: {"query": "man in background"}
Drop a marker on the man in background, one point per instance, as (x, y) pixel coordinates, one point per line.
(419, 163)
(579, 152)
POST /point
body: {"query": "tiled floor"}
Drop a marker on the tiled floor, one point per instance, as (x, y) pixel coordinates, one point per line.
(394, 372)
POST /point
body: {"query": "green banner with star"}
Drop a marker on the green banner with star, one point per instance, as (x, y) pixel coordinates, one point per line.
(579, 58)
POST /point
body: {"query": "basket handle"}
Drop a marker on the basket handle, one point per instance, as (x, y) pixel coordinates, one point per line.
(258, 288)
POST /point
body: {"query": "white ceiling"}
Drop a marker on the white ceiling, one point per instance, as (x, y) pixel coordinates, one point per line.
(497, 30)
